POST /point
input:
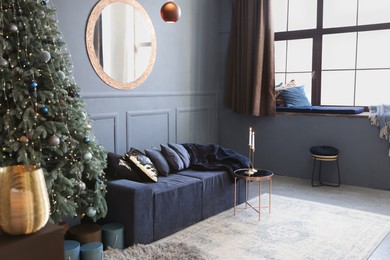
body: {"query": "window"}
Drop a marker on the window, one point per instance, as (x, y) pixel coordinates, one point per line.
(339, 50)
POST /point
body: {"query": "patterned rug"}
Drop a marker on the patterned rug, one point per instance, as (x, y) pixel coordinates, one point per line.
(295, 229)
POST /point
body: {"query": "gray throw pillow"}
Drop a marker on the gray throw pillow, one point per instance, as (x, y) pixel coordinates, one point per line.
(159, 161)
(182, 152)
(173, 159)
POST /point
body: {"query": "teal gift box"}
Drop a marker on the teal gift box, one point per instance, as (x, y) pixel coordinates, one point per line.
(113, 235)
(71, 250)
(92, 251)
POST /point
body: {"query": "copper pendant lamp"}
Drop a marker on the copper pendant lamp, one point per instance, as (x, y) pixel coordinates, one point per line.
(170, 12)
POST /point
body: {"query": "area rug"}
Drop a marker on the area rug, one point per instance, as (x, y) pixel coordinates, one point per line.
(160, 251)
(295, 229)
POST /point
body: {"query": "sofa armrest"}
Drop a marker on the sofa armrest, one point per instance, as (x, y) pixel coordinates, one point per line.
(131, 204)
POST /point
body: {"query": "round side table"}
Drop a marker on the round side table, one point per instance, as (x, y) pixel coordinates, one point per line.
(257, 175)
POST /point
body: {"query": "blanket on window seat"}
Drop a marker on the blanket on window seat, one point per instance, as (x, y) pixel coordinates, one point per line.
(206, 157)
(380, 116)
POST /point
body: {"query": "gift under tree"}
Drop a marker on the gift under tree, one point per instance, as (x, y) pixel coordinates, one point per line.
(43, 118)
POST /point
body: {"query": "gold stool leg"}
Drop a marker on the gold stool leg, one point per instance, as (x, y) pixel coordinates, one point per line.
(235, 194)
(269, 198)
(259, 199)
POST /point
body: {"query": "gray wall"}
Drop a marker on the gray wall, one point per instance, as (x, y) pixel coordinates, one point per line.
(283, 142)
(177, 103)
(181, 101)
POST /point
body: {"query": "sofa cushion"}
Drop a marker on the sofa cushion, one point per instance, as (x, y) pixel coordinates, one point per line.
(218, 191)
(182, 152)
(177, 204)
(118, 168)
(142, 164)
(172, 157)
(159, 161)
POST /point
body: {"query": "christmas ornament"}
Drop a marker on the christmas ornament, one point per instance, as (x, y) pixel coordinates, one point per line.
(72, 92)
(44, 110)
(91, 212)
(3, 62)
(61, 75)
(13, 27)
(41, 14)
(45, 56)
(82, 186)
(44, 2)
(86, 140)
(33, 85)
(25, 63)
(54, 140)
(23, 139)
(83, 116)
(87, 156)
(24, 201)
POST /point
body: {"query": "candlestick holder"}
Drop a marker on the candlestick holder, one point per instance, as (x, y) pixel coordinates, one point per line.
(251, 170)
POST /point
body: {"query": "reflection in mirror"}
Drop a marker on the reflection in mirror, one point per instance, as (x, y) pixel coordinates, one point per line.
(121, 43)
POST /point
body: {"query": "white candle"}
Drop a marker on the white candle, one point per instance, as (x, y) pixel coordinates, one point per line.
(253, 140)
(250, 136)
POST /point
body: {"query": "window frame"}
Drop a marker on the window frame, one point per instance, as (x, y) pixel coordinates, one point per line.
(316, 35)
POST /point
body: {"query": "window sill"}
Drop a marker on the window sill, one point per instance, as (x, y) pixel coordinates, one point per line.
(324, 111)
(364, 114)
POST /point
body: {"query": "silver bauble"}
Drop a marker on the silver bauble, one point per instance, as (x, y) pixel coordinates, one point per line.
(45, 56)
(87, 156)
(82, 186)
(54, 140)
(3, 62)
(91, 212)
(13, 27)
(61, 75)
(41, 14)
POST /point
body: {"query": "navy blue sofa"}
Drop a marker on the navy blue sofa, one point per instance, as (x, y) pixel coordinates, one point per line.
(151, 211)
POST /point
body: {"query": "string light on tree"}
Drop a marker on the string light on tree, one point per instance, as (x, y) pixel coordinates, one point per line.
(43, 118)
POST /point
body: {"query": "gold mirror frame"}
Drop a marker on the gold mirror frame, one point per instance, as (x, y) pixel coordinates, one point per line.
(93, 17)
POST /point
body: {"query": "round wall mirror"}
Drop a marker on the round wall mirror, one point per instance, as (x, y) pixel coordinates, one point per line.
(121, 43)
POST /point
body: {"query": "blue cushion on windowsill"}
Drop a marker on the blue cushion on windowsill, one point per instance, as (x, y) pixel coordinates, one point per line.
(295, 97)
(322, 109)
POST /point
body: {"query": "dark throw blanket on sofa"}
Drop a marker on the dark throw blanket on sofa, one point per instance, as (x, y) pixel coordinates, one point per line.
(206, 157)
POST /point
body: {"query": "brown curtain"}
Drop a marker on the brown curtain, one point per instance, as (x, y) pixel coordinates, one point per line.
(250, 63)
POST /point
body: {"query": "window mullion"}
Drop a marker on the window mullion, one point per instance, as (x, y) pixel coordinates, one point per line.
(317, 56)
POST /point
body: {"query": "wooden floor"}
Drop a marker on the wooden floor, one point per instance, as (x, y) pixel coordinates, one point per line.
(375, 201)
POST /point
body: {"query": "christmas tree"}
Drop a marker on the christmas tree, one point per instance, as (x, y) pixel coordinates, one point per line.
(43, 118)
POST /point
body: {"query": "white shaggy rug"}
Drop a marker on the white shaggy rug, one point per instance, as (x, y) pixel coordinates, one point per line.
(295, 229)
(161, 251)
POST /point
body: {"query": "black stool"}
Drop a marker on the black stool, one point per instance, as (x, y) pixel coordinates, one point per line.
(327, 154)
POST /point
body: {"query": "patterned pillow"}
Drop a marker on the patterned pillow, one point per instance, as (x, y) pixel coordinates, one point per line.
(118, 168)
(280, 102)
(142, 164)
